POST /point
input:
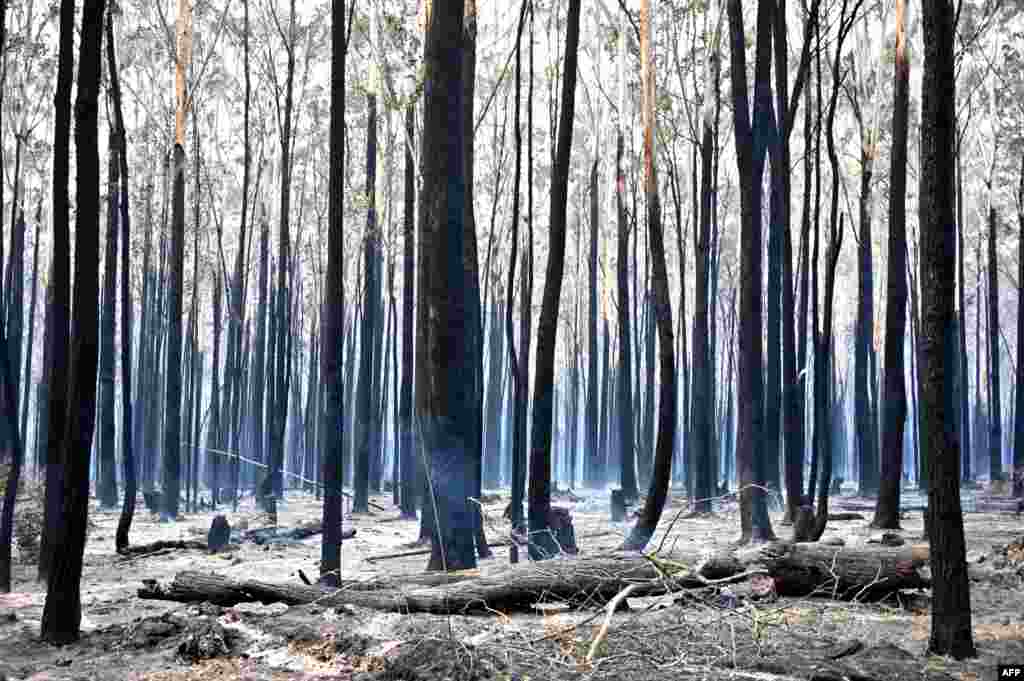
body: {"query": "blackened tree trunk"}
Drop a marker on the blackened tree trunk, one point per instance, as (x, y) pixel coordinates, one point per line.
(10, 407)
(995, 413)
(701, 450)
(233, 370)
(214, 437)
(108, 474)
(62, 611)
(474, 310)
(795, 455)
(542, 542)
(624, 381)
(751, 143)
(786, 106)
(624, 375)
(444, 406)
(823, 364)
(172, 414)
(261, 361)
(10, 414)
(866, 444)
(1018, 425)
(823, 398)
(520, 365)
(59, 313)
(127, 452)
(662, 473)
(887, 512)
(16, 285)
(30, 343)
(965, 391)
(592, 450)
(283, 372)
(334, 295)
(409, 452)
(367, 351)
(951, 632)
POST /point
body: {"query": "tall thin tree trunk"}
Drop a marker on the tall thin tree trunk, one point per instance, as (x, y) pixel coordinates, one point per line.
(656, 496)
(62, 611)
(1018, 426)
(995, 414)
(409, 465)
(59, 314)
(108, 481)
(951, 630)
(887, 512)
(127, 429)
(542, 541)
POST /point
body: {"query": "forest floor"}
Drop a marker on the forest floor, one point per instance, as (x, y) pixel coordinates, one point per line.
(710, 634)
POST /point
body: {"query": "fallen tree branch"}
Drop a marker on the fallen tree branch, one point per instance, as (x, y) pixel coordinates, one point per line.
(797, 569)
(612, 606)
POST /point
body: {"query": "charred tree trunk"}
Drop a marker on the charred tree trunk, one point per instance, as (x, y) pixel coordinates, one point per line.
(367, 331)
(542, 541)
(1018, 426)
(59, 313)
(751, 134)
(62, 611)
(662, 473)
(127, 430)
(995, 413)
(108, 475)
(887, 513)
(951, 632)
(282, 373)
(444, 404)
(409, 451)
(624, 386)
(592, 450)
(334, 317)
(172, 417)
(520, 366)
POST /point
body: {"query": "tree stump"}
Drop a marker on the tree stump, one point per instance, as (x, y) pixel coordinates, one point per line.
(803, 522)
(153, 500)
(560, 523)
(219, 535)
(618, 506)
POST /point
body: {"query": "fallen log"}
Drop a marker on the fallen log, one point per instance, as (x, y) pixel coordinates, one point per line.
(494, 545)
(796, 569)
(845, 516)
(154, 547)
(844, 660)
(267, 535)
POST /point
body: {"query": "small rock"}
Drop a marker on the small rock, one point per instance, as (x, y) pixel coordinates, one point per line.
(975, 557)
(1006, 621)
(999, 563)
(834, 541)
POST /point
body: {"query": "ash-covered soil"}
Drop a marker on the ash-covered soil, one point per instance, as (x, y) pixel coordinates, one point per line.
(709, 634)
